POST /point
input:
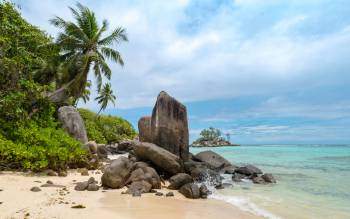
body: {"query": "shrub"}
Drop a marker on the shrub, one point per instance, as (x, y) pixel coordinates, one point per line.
(106, 129)
(37, 148)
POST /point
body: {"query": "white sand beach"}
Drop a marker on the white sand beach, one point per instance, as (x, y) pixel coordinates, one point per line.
(17, 201)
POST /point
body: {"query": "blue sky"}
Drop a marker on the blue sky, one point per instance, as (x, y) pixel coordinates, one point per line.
(267, 71)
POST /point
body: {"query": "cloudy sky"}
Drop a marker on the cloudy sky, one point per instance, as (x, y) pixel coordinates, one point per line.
(266, 71)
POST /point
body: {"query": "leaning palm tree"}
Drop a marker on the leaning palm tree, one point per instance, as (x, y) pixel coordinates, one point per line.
(84, 48)
(105, 96)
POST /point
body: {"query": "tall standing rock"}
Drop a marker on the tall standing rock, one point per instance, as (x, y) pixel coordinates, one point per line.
(169, 125)
(144, 126)
(72, 123)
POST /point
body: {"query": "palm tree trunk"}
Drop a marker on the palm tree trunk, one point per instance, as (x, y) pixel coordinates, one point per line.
(73, 88)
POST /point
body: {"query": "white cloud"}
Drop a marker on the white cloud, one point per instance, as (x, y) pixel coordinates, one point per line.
(217, 60)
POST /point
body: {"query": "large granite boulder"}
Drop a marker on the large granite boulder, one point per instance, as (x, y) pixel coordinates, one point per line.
(160, 157)
(179, 180)
(213, 159)
(144, 126)
(116, 174)
(169, 125)
(72, 123)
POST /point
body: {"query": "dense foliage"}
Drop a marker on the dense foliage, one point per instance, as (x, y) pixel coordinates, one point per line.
(29, 135)
(23, 48)
(106, 129)
(36, 74)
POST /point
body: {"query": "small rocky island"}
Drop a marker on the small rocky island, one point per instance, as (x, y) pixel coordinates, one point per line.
(211, 137)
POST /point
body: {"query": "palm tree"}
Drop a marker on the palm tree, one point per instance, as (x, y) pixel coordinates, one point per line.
(83, 48)
(85, 97)
(105, 96)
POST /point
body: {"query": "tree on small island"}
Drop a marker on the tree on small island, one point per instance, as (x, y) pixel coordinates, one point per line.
(211, 137)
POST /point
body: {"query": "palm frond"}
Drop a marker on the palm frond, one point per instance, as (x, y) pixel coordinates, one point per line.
(117, 36)
(112, 55)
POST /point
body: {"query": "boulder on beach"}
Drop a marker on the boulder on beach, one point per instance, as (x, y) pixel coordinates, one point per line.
(213, 159)
(158, 156)
(147, 174)
(190, 190)
(72, 123)
(139, 187)
(115, 175)
(144, 126)
(204, 191)
(179, 180)
(169, 125)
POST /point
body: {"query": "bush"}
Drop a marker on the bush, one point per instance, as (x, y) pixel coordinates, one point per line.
(106, 129)
(37, 148)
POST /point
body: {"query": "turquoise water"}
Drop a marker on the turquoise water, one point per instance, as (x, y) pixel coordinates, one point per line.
(313, 181)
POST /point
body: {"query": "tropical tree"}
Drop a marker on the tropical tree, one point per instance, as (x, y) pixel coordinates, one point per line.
(85, 97)
(83, 48)
(105, 96)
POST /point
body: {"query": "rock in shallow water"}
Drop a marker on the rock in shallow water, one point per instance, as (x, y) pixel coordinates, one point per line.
(268, 178)
(258, 180)
(213, 159)
(248, 170)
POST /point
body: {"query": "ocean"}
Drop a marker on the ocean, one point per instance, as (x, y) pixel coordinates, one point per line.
(313, 181)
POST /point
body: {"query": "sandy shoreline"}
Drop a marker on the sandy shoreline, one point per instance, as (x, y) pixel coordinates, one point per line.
(18, 201)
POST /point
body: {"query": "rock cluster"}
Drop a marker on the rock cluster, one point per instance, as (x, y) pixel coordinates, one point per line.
(253, 173)
(90, 185)
(163, 154)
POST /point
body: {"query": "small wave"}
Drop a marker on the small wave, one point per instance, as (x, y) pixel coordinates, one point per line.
(244, 204)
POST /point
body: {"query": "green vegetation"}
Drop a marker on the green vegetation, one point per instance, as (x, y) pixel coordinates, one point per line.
(34, 73)
(106, 129)
(209, 135)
